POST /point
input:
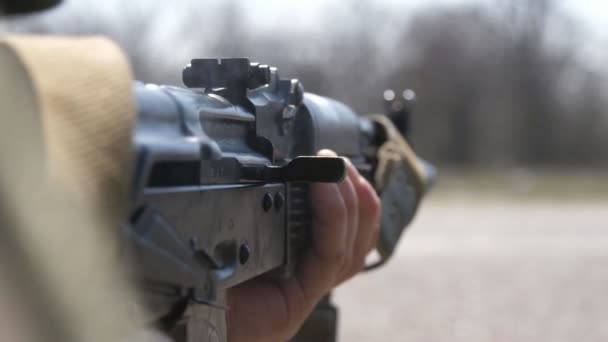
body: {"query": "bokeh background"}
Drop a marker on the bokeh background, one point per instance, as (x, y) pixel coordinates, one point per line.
(511, 105)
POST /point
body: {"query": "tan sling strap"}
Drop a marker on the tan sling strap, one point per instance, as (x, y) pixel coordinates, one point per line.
(396, 150)
(402, 179)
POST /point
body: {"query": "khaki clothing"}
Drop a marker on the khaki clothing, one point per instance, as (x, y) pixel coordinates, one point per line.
(65, 147)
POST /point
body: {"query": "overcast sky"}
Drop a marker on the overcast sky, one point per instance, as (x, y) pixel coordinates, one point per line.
(283, 15)
(592, 12)
(302, 16)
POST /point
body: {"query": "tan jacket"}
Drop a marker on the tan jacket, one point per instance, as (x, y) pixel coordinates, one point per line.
(65, 124)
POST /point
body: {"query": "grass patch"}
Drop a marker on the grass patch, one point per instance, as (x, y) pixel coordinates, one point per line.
(524, 184)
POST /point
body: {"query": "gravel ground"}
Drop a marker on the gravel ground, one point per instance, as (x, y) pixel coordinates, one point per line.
(497, 270)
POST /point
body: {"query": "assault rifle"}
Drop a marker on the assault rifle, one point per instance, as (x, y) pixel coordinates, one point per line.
(220, 194)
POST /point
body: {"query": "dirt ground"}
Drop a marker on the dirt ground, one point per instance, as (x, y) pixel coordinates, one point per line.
(488, 270)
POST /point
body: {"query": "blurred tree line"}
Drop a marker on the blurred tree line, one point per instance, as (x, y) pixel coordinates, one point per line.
(497, 85)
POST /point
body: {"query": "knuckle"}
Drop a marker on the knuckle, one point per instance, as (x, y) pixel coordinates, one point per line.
(375, 200)
(337, 259)
(354, 199)
(375, 230)
(361, 263)
(349, 194)
(371, 214)
(346, 270)
(330, 210)
(370, 202)
(347, 261)
(374, 207)
(340, 214)
(358, 266)
(373, 241)
(354, 269)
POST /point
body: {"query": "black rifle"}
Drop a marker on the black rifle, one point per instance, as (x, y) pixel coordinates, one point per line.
(220, 193)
